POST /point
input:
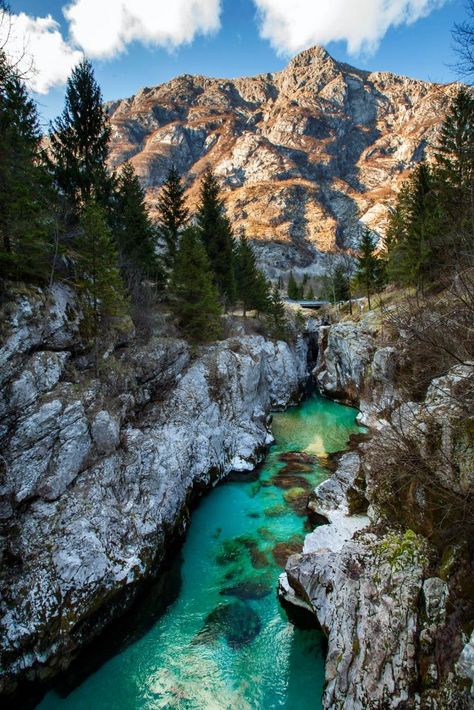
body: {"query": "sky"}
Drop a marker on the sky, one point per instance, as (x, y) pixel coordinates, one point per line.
(137, 43)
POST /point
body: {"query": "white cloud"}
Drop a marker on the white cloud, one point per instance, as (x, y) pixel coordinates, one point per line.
(36, 45)
(103, 28)
(293, 25)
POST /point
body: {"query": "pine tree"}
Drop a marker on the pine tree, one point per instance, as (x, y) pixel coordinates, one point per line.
(26, 196)
(172, 214)
(454, 174)
(216, 235)
(413, 232)
(80, 141)
(277, 316)
(196, 302)
(368, 268)
(341, 287)
(248, 283)
(293, 291)
(310, 293)
(99, 276)
(136, 234)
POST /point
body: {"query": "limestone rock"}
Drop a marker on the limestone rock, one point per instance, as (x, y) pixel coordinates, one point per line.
(105, 432)
(315, 150)
(97, 476)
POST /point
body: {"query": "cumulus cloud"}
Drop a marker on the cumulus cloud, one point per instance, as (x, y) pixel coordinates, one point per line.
(100, 29)
(36, 46)
(293, 25)
(103, 28)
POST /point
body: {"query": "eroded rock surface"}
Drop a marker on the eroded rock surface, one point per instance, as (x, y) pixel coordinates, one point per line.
(305, 156)
(379, 591)
(97, 476)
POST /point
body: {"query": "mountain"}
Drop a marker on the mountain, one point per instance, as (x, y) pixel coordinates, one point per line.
(305, 156)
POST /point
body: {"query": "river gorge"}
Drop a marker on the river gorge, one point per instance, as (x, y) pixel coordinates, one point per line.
(225, 641)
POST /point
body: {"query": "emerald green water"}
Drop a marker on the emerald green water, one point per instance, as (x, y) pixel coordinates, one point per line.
(225, 643)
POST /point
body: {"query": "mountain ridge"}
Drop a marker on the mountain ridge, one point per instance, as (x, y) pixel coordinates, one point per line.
(306, 157)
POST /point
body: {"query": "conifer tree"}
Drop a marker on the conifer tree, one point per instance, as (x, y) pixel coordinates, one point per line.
(99, 276)
(368, 270)
(216, 235)
(26, 197)
(196, 301)
(454, 172)
(248, 283)
(293, 291)
(79, 141)
(310, 293)
(172, 214)
(136, 234)
(413, 231)
(277, 317)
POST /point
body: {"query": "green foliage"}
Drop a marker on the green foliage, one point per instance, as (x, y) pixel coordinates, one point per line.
(252, 287)
(173, 214)
(370, 269)
(135, 233)
(216, 235)
(26, 197)
(195, 298)
(98, 273)
(341, 287)
(431, 229)
(292, 290)
(80, 141)
(276, 316)
(402, 550)
(310, 294)
(413, 230)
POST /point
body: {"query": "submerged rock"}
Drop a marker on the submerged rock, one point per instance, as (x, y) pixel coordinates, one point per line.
(297, 498)
(283, 550)
(297, 467)
(298, 457)
(237, 622)
(282, 480)
(275, 511)
(248, 589)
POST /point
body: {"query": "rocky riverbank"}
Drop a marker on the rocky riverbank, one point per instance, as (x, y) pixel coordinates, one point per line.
(392, 594)
(98, 474)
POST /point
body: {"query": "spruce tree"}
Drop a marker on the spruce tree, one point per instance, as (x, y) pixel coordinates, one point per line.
(195, 298)
(368, 268)
(216, 235)
(80, 141)
(26, 196)
(341, 287)
(292, 290)
(248, 283)
(135, 233)
(454, 174)
(263, 294)
(310, 293)
(414, 232)
(172, 214)
(277, 317)
(98, 273)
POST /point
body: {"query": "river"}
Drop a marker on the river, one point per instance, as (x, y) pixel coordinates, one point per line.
(225, 643)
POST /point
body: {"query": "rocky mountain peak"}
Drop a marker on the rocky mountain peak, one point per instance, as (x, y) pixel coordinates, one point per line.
(306, 157)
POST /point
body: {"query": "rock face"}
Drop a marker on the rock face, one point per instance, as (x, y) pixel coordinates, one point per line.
(373, 584)
(98, 476)
(352, 368)
(304, 156)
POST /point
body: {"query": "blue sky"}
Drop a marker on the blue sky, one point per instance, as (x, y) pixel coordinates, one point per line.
(422, 49)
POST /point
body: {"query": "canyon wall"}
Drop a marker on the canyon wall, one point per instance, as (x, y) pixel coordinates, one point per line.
(97, 475)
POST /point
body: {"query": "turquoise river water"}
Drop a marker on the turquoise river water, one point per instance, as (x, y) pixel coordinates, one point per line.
(225, 643)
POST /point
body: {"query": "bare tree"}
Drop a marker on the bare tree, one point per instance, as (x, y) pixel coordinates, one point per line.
(463, 34)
